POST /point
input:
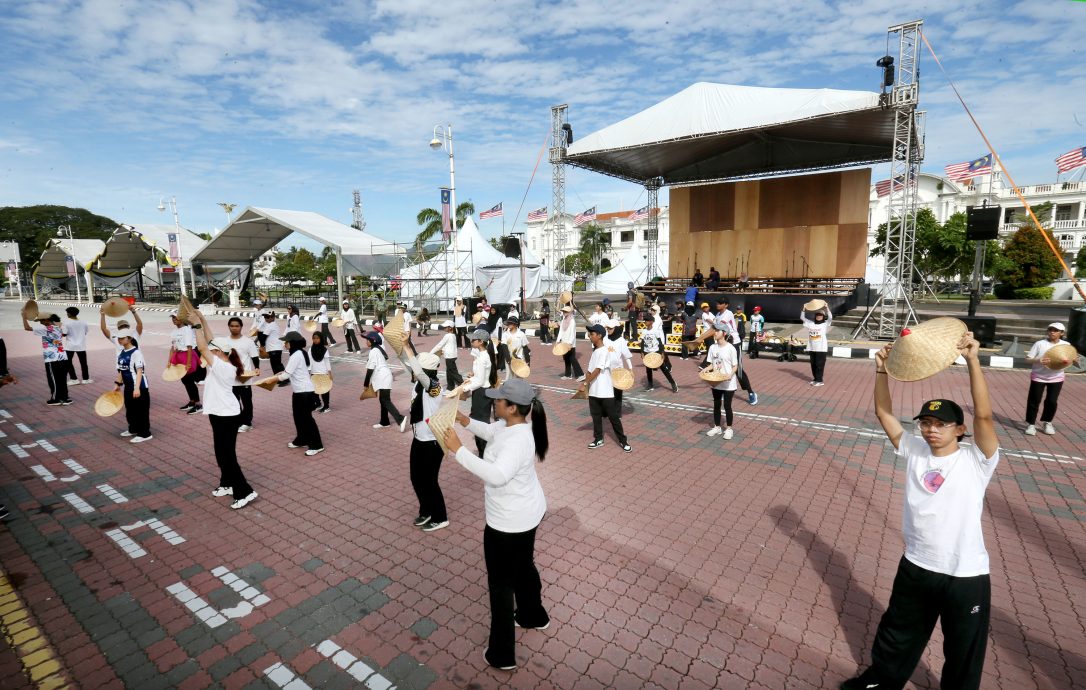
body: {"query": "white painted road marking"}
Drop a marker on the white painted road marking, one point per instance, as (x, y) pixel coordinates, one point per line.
(357, 669)
(213, 618)
(125, 542)
(114, 495)
(280, 674)
(78, 503)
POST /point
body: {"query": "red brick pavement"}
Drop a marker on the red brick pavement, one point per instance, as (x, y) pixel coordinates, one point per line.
(760, 562)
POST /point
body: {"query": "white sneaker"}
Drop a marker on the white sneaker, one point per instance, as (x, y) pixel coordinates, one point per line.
(86, 381)
(222, 491)
(581, 377)
(243, 428)
(126, 433)
(140, 439)
(715, 431)
(1049, 429)
(313, 451)
(1031, 430)
(381, 426)
(292, 445)
(728, 433)
(75, 382)
(242, 502)
(403, 424)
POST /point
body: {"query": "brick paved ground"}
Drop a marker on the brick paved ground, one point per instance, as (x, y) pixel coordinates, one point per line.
(761, 562)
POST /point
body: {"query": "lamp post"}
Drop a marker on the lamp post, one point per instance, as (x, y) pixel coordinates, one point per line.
(67, 230)
(177, 232)
(443, 139)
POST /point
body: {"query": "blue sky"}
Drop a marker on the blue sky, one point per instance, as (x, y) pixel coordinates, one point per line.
(111, 105)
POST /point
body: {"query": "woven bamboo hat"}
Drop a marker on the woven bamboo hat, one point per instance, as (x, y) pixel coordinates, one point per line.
(925, 349)
(520, 368)
(115, 307)
(322, 383)
(368, 393)
(30, 310)
(174, 372)
(814, 305)
(310, 326)
(1061, 356)
(566, 297)
(622, 379)
(338, 322)
(653, 360)
(477, 317)
(561, 349)
(393, 333)
(109, 403)
(714, 376)
(185, 310)
(580, 395)
(249, 374)
(442, 420)
(268, 383)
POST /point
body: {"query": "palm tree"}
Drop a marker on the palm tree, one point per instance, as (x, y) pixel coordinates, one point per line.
(430, 220)
(594, 242)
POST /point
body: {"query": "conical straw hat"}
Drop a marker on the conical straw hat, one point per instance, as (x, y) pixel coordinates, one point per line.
(653, 360)
(1061, 356)
(622, 379)
(925, 349)
(249, 374)
(322, 383)
(338, 322)
(30, 310)
(442, 420)
(520, 368)
(814, 305)
(580, 395)
(566, 297)
(477, 317)
(560, 349)
(393, 333)
(269, 383)
(310, 326)
(715, 376)
(263, 353)
(368, 393)
(115, 307)
(174, 372)
(109, 403)
(184, 310)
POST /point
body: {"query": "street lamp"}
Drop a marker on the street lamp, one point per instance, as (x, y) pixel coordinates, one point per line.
(177, 232)
(443, 139)
(61, 232)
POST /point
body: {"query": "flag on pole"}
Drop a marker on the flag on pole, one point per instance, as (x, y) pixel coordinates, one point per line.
(538, 214)
(1071, 160)
(640, 214)
(70, 263)
(964, 171)
(492, 213)
(175, 248)
(13, 270)
(446, 218)
(586, 216)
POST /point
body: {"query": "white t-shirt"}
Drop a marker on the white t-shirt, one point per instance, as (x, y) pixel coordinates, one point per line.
(480, 370)
(447, 345)
(381, 379)
(516, 341)
(183, 338)
(724, 358)
(513, 495)
(322, 367)
(348, 318)
(619, 351)
(944, 500)
(271, 329)
(598, 317)
(322, 313)
(816, 333)
(246, 349)
(567, 330)
(219, 397)
(1040, 372)
(458, 319)
(298, 373)
(76, 334)
(601, 386)
(725, 321)
(294, 324)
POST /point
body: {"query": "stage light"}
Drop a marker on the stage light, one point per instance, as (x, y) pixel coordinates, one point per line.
(886, 62)
(568, 129)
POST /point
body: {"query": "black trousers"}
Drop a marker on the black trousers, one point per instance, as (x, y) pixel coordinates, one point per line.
(665, 369)
(326, 335)
(743, 381)
(452, 374)
(482, 409)
(384, 396)
(1051, 394)
(573, 367)
(818, 364)
(275, 358)
(724, 397)
(516, 593)
(244, 394)
(3, 358)
(224, 432)
(462, 336)
(189, 382)
(753, 346)
(326, 400)
(137, 412)
(426, 457)
(351, 339)
(545, 335)
(56, 374)
(629, 330)
(918, 599)
(82, 355)
(305, 427)
(605, 407)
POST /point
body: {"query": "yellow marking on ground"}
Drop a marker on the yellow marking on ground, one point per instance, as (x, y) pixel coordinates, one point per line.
(29, 643)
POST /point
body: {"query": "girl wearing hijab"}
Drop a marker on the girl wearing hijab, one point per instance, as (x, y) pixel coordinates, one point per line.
(302, 401)
(349, 323)
(380, 375)
(223, 410)
(321, 363)
(132, 376)
(567, 333)
(426, 454)
(484, 374)
(515, 506)
(183, 351)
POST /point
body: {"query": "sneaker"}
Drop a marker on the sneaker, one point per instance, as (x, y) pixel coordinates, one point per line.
(728, 433)
(421, 520)
(381, 426)
(86, 381)
(581, 377)
(752, 398)
(674, 388)
(242, 502)
(566, 378)
(222, 491)
(292, 444)
(627, 448)
(403, 424)
(326, 410)
(532, 627)
(596, 444)
(74, 382)
(195, 409)
(715, 431)
(486, 657)
(54, 403)
(126, 434)
(811, 383)
(1031, 430)
(649, 389)
(314, 451)
(245, 427)
(140, 439)
(69, 401)
(818, 383)
(864, 681)
(1049, 429)
(186, 406)
(434, 525)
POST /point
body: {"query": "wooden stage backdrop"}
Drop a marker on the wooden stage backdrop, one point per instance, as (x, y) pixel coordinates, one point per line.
(775, 224)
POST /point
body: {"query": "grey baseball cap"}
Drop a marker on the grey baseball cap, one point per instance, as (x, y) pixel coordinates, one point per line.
(514, 390)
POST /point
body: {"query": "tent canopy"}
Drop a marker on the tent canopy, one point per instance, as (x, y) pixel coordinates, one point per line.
(631, 268)
(710, 132)
(436, 277)
(52, 263)
(131, 247)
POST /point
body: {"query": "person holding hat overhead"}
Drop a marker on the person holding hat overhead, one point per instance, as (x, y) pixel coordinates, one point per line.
(223, 410)
(303, 399)
(379, 375)
(273, 343)
(349, 323)
(75, 336)
(652, 340)
(514, 344)
(944, 573)
(515, 506)
(447, 345)
(132, 377)
(460, 323)
(757, 328)
(1044, 382)
(484, 375)
(601, 393)
(817, 341)
(122, 323)
(426, 454)
(56, 359)
(567, 333)
(250, 357)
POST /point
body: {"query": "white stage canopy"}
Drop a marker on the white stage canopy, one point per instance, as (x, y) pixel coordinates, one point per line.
(53, 262)
(631, 268)
(132, 246)
(709, 132)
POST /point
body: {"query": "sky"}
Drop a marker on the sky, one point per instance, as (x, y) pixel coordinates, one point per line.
(112, 105)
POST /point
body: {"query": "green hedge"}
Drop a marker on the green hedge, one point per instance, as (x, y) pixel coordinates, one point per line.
(1034, 293)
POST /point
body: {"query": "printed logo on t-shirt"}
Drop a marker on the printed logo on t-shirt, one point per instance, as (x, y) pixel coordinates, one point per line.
(815, 335)
(932, 480)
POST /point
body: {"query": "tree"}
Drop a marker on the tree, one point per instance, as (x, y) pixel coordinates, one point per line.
(430, 220)
(294, 264)
(1027, 260)
(942, 253)
(576, 264)
(1080, 262)
(594, 242)
(33, 226)
(206, 236)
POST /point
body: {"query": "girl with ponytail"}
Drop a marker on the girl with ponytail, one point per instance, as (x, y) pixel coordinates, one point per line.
(484, 375)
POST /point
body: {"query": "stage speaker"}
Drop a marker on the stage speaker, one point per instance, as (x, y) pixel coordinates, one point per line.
(511, 247)
(982, 223)
(983, 328)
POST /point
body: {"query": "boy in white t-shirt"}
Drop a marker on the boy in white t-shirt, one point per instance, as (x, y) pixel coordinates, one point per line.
(601, 393)
(1044, 382)
(944, 572)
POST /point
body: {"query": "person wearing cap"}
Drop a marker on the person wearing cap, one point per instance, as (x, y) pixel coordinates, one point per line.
(349, 323)
(944, 573)
(723, 357)
(122, 323)
(546, 336)
(379, 375)
(273, 343)
(601, 393)
(447, 345)
(183, 352)
(75, 344)
(320, 363)
(293, 324)
(515, 506)
(621, 357)
(322, 320)
(567, 333)
(258, 321)
(56, 359)
(725, 322)
(303, 399)
(757, 328)
(514, 344)
(426, 455)
(484, 375)
(422, 322)
(250, 358)
(132, 377)
(460, 323)
(223, 409)
(817, 341)
(1044, 383)
(652, 340)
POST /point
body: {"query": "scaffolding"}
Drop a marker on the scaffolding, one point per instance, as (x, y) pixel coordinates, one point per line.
(556, 230)
(652, 230)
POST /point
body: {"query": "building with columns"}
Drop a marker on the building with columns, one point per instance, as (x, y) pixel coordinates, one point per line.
(551, 244)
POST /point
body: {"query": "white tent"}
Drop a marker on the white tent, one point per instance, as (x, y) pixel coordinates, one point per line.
(53, 262)
(631, 268)
(436, 277)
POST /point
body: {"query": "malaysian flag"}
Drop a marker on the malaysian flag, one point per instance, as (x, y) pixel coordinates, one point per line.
(492, 213)
(1071, 160)
(964, 171)
(70, 262)
(446, 221)
(175, 248)
(640, 214)
(538, 214)
(582, 218)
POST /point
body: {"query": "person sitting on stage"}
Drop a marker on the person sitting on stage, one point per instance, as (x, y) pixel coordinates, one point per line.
(698, 280)
(714, 279)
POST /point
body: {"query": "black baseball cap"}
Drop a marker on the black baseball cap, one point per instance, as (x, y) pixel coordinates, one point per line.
(945, 410)
(598, 329)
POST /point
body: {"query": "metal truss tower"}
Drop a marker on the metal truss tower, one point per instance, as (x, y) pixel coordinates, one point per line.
(557, 220)
(652, 230)
(894, 310)
(358, 222)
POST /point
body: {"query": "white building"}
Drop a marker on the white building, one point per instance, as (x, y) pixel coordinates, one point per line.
(550, 245)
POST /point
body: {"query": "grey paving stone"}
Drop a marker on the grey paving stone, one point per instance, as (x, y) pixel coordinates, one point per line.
(224, 667)
(424, 627)
(190, 572)
(179, 673)
(312, 564)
